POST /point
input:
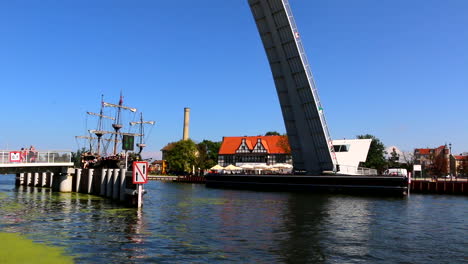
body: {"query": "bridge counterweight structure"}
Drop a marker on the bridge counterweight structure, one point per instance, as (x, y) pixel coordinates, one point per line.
(307, 130)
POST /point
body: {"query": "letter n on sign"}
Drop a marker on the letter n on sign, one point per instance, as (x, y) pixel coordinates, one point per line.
(140, 172)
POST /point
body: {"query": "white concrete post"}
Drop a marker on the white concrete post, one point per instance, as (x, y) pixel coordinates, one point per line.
(29, 179)
(103, 184)
(109, 179)
(123, 183)
(36, 179)
(50, 178)
(21, 179)
(65, 182)
(115, 184)
(78, 180)
(43, 179)
(90, 181)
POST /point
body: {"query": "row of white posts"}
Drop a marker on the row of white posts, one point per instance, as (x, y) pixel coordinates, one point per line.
(111, 183)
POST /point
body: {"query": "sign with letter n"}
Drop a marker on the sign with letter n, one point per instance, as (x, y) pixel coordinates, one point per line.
(140, 172)
(128, 142)
(15, 156)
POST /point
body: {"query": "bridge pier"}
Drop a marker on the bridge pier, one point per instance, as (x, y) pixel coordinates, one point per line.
(109, 188)
(103, 181)
(111, 183)
(36, 179)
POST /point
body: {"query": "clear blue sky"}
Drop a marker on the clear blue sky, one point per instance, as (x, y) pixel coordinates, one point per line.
(395, 69)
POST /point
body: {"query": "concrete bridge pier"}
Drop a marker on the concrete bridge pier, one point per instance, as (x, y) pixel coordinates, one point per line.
(77, 180)
(103, 180)
(109, 178)
(36, 179)
(89, 186)
(115, 184)
(123, 183)
(64, 183)
(29, 179)
(43, 182)
(19, 179)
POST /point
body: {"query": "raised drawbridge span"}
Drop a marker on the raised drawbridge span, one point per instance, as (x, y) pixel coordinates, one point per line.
(308, 134)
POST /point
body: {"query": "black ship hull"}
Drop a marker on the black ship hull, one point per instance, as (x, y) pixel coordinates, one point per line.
(379, 185)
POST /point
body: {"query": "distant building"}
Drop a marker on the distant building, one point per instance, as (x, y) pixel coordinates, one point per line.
(434, 160)
(271, 150)
(459, 164)
(254, 150)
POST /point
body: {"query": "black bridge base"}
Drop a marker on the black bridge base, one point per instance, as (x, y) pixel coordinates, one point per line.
(375, 185)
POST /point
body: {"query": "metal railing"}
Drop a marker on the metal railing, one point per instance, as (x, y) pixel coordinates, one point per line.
(310, 77)
(352, 170)
(40, 156)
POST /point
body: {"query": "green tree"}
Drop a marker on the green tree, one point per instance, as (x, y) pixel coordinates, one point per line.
(207, 154)
(376, 156)
(182, 155)
(76, 156)
(272, 133)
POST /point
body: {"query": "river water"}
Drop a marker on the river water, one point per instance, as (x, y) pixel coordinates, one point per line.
(189, 223)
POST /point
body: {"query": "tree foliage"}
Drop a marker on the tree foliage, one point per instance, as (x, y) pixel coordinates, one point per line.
(376, 156)
(76, 156)
(283, 143)
(207, 154)
(272, 133)
(181, 156)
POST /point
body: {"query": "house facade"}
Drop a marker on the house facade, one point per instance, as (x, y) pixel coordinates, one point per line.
(459, 164)
(435, 161)
(255, 150)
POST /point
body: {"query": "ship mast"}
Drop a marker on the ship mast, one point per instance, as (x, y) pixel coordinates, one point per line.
(99, 133)
(117, 126)
(99, 129)
(141, 145)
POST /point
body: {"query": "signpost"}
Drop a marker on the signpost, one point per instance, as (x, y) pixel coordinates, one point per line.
(15, 156)
(140, 177)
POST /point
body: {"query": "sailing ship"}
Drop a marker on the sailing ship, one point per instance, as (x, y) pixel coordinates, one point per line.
(100, 139)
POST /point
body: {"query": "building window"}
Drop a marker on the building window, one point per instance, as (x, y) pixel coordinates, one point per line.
(341, 148)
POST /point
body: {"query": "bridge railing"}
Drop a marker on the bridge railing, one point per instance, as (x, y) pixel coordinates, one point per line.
(40, 156)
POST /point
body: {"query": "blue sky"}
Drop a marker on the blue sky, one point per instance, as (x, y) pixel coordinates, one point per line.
(395, 69)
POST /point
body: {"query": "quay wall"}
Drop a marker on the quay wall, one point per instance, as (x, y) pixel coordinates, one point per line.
(439, 187)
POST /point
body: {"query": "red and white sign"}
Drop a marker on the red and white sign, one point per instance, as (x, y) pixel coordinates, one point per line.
(15, 156)
(140, 172)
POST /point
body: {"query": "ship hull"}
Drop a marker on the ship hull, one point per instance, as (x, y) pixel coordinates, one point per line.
(380, 185)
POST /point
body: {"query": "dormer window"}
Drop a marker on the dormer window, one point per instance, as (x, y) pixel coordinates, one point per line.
(243, 148)
(259, 148)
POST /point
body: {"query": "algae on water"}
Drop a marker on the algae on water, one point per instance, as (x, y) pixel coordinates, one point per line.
(17, 249)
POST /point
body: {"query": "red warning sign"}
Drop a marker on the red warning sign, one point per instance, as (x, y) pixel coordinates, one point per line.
(140, 172)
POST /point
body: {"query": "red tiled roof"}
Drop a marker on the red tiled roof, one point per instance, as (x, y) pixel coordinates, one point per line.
(461, 157)
(424, 151)
(271, 143)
